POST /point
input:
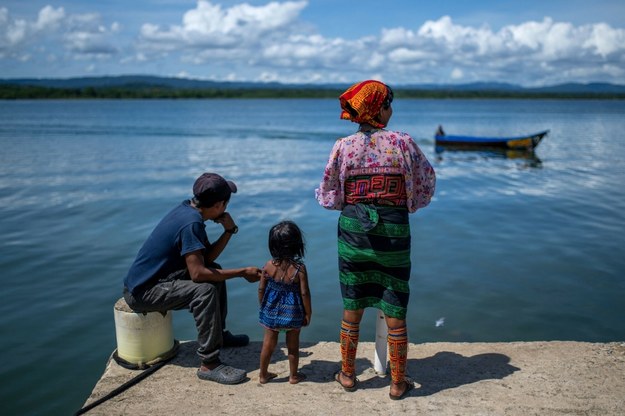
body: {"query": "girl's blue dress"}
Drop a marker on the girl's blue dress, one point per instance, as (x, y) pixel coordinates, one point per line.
(281, 308)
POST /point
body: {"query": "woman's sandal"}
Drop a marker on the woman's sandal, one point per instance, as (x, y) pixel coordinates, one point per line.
(409, 387)
(352, 388)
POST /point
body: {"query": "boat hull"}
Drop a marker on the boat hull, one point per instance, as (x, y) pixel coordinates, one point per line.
(528, 142)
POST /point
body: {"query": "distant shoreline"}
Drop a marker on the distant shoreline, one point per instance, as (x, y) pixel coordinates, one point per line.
(21, 92)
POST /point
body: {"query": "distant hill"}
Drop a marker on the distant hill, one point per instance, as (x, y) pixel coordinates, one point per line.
(595, 87)
(137, 81)
(143, 86)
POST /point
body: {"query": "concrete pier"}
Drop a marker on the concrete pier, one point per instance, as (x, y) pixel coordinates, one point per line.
(520, 378)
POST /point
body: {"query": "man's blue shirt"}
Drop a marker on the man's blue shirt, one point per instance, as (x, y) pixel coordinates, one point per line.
(180, 232)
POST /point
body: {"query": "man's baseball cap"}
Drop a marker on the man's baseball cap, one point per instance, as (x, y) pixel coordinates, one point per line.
(210, 188)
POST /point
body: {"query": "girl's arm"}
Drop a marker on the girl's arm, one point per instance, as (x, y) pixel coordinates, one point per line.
(263, 283)
(261, 289)
(305, 292)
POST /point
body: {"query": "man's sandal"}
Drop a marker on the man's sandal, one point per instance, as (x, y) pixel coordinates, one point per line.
(223, 374)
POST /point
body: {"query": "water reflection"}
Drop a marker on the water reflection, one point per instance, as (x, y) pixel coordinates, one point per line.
(454, 153)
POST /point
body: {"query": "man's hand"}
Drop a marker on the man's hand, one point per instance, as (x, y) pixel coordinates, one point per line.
(225, 220)
(252, 274)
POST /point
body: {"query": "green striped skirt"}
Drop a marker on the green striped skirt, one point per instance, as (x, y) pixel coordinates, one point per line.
(374, 258)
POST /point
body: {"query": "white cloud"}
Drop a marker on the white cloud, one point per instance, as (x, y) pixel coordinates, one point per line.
(12, 32)
(405, 55)
(397, 37)
(311, 51)
(81, 35)
(271, 42)
(86, 35)
(457, 73)
(49, 18)
(240, 19)
(605, 40)
(211, 26)
(16, 32)
(537, 49)
(267, 40)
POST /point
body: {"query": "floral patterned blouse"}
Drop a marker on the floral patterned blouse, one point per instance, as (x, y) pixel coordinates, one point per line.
(373, 153)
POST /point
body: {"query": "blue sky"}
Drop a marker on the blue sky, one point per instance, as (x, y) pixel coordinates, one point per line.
(529, 42)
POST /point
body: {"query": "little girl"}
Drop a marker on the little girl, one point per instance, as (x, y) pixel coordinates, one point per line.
(284, 297)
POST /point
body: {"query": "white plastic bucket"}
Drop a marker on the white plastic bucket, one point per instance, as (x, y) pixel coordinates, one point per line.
(142, 338)
(380, 358)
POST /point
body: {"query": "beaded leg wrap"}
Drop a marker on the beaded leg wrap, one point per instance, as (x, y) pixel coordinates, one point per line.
(349, 345)
(398, 352)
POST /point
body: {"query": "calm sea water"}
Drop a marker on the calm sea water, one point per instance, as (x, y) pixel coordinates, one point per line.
(511, 248)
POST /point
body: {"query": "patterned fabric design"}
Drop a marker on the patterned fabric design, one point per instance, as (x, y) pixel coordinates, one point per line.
(349, 345)
(362, 102)
(282, 307)
(378, 189)
(398, 353)
(374, 266)
(392, 230)
(374, 302)
(377, 277)
(384, 258)
(380, 152)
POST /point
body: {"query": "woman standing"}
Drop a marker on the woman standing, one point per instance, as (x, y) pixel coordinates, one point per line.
(376, 177)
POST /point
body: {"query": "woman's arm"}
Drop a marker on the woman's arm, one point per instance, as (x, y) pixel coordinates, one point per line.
(330, 191)
(420, 177)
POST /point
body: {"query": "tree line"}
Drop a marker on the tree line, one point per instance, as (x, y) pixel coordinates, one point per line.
(15, 92)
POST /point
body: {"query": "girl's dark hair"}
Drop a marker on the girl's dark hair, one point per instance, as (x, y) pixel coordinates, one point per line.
(286, 241)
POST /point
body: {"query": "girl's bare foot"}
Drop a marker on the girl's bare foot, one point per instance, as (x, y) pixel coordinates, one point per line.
(297, 378)
(264, 379)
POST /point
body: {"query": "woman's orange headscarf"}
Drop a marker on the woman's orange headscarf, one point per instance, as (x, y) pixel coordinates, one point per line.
(362, 102)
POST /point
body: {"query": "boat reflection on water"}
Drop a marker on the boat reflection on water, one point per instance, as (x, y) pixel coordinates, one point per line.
(450, 152)
(506, 147)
